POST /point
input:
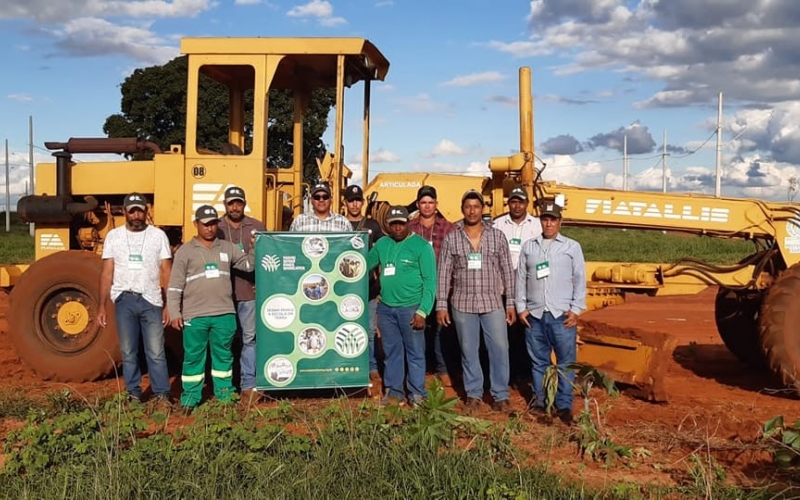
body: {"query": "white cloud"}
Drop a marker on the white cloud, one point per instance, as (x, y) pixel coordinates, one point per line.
(246, 2)
(378, 156)
(420, 103)
(474, 79)
(446, 148)
(20, 97)
(47, 11)
(321, 10)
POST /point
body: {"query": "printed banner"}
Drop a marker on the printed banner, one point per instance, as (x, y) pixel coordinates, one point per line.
(312, 316)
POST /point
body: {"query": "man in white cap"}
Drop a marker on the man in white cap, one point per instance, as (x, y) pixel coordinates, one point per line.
(408, 288)
(238, 228)
(321, 219)
(519, 226)
(550, 294)
(200, 302)
(136, 264)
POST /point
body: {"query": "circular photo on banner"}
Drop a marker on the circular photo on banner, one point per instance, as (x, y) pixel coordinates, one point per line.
(351, 266)
(278, 312)
(351, 307)
(315, 247)
(316, 287)
(312, 341)
(279, 371)
(350, 340)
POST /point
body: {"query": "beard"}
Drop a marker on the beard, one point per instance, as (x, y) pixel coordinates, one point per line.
(236, 216)
(137, 225)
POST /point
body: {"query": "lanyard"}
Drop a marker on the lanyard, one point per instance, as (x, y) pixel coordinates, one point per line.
(128, 241)
(230, 236)
(397, 251)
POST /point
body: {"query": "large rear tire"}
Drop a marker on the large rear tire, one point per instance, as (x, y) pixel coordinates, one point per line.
(52, 323)
(736, 315)
(780, 327)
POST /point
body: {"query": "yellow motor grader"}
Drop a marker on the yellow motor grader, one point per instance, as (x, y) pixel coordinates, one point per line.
(53, 302)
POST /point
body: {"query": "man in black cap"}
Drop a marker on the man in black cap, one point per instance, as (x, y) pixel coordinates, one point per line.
(321, 219)
(238, 228)
(354, 203)
(200, 302)
(519, 226)
(433, 227)
(136, 262)
(408, 286)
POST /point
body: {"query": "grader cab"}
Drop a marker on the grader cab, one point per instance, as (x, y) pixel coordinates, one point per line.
(54, 301)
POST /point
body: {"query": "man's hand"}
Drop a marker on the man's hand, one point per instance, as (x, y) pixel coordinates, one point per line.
(443, 318)
(523, 318)
(101, 317)
(571, 320)
(418, 322)
(177, 323)
(164, 317)
(511, 315)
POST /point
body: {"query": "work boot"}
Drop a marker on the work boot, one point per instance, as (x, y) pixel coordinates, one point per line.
(472, 406)
(161, 402)
(390, 401)
(444, 378)
(249, 397)
(503, 406)
(565, 416)
(417, 401)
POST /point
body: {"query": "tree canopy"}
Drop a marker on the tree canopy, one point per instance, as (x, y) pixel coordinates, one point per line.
(153, 108)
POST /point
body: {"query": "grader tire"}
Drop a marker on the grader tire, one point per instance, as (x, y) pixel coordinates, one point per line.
(51, 319)
(736, 315)
(780, 327)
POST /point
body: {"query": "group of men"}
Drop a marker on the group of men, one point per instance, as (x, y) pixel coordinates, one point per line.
(517, 280)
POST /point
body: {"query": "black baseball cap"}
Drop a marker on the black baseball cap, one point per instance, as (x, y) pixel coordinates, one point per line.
(397, 213)
(134, 200)
(322, 186)
(518, 192)
(353, 193)
(552, 210)
(206, 214)
(234, 193)
(426, 191)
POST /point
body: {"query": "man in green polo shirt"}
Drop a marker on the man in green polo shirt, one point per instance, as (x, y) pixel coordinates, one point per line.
(408, 289)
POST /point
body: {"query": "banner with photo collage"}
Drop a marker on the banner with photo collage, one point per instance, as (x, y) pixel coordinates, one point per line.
(312, 314)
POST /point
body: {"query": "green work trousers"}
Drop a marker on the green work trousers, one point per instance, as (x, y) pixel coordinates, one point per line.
(198, 334)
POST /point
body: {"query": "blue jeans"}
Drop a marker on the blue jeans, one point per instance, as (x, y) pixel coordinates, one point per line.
(246, 313)
(402, 344)
(495, 336)
(373, 331)
(136, 318)
(541, 337)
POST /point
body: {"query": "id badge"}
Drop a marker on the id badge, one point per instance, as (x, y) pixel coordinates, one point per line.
(223, 257)
(474, 261)
(515, 245)
(542, 270)
(212, 270)
(389, 270)
(241, 246)
(135, 262)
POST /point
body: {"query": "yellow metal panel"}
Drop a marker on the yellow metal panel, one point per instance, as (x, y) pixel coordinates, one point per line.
(46, 179)
(10, 275)
(120, 177)
(168, 206)
(50, 240)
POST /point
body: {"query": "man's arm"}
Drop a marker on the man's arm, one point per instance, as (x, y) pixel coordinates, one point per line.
(427, 267)
(444, 271)
(106, 278)
(373, 258)
(506, 270)
(177, 282)
(243, 261)
(578, 302)
(166, 270)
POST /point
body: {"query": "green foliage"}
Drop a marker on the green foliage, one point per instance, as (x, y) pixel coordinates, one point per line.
(784, 439)
(616, 245)
(17, 247)
(707, 476)
(596, 444)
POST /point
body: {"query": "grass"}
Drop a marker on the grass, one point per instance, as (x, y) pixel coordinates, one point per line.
(612, 245)
(340, 450)
(16, 246)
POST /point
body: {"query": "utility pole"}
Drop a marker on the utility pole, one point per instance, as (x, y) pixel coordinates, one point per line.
(8, 193)
(718, 187)
(31, 226)
(625, 163)
(664, 165)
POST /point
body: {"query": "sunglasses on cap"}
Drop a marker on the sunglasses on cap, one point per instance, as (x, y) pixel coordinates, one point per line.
(321, 197)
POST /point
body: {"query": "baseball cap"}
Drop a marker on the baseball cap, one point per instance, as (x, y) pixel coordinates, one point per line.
(552, 210)
(234, 193)
(397, 214)
(472, 194)
(206, 214)
(426, 191)
(518, 192)
(134, 200)
(322, 186)
(353, 193)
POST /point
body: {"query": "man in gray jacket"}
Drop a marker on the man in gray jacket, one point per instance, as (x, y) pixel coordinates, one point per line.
(200, 303)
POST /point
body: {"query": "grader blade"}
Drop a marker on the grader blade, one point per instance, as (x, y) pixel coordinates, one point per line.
(628, 356)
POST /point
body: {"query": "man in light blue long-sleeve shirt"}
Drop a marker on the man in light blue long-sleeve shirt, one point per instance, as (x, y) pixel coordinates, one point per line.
(550, 294)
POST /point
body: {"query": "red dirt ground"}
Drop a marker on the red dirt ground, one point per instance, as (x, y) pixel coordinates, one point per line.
(717, 406)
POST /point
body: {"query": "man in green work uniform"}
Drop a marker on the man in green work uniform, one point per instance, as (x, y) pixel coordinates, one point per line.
(200, 303)
(408, 289)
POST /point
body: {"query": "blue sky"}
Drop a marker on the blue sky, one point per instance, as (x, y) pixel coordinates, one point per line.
(602, 69)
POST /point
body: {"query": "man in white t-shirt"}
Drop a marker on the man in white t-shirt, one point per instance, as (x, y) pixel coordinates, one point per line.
(136, 267)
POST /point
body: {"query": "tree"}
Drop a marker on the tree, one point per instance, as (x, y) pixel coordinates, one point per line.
(153, 108)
